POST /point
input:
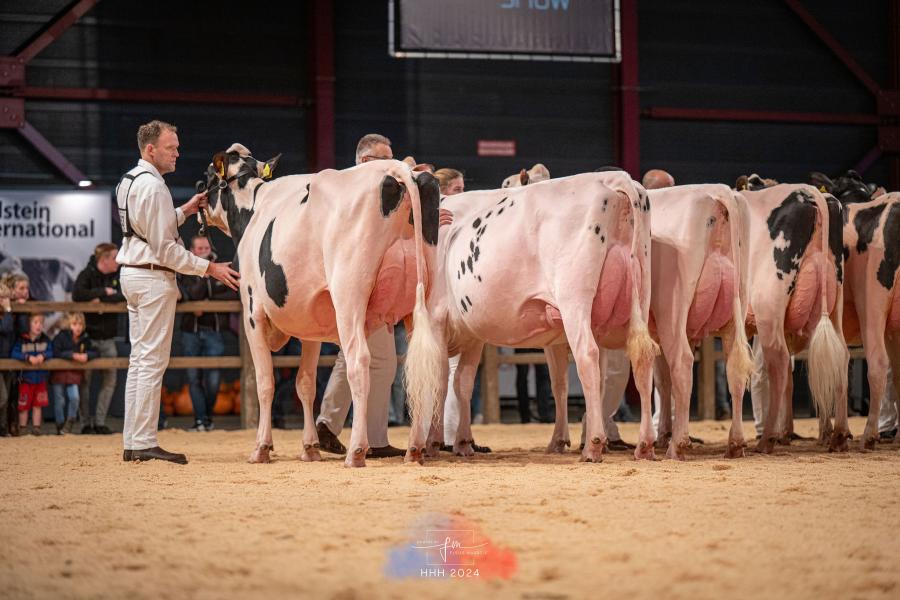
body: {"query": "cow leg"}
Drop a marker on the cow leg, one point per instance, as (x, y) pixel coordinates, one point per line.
(778, 362)
(436, 433)
(737, 376)
(643, 380)
(463, 384)
(786, 421)
(680, 357)
(306, 390)
(588, 355)
(877, 359)
(265, 383)
(558, 363)
(664, 412)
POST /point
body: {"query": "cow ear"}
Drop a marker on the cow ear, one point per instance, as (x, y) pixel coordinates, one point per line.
(523, 177)
(267, 168)
(219, 164)
(741, 183)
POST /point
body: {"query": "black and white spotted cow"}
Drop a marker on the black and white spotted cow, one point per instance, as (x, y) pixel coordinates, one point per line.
(564, 261)
(330, 257)
(796, 276)
(871, 312)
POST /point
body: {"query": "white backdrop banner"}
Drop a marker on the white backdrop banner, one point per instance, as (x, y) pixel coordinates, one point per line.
(50, 235)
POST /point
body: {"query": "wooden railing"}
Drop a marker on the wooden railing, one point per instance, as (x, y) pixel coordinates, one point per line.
(706, 355)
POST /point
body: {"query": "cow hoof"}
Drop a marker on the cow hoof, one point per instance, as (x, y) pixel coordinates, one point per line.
(675, 452)
(593, 452)
(433, 450)
(766, 446)
(662, 441)
(735, 450)
(644, 451)
(839, 442)
(414, 456)
(261, 454)
(310, 453)
(868, 443)
(558, 446)
(464, 448)
(785, 439)
(356, 459)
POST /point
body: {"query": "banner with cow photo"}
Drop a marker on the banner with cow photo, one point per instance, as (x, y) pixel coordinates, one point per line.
(50, 235)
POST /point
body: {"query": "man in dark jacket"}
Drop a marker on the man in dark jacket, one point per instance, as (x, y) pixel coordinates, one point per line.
(201, 335)
(99, 282)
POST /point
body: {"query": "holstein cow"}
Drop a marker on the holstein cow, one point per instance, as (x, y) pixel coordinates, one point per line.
(557, 262)
(535, 174)
(796, 272)
(330, 257)
(700, 287)
(871, 238)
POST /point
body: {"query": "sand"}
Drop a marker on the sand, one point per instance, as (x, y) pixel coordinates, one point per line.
(75, 521)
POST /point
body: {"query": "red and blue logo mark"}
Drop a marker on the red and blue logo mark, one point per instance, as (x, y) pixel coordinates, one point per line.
(449, 547)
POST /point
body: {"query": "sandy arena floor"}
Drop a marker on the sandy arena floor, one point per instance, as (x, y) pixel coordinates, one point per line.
(75, 521)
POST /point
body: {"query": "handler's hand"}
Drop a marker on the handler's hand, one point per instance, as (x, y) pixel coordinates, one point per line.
(224, 273)
(445, 217)
(193, 205)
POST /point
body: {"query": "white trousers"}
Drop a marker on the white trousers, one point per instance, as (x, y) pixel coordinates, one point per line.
(382, 369)
(888, 417)
(451, 406)
(151, 297)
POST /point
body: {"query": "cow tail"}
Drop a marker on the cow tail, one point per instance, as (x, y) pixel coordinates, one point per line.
(739, 366)
(640, 347)
(424, 355)
(827, 359)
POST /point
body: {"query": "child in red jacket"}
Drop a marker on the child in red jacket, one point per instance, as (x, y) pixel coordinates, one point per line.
(34, 348)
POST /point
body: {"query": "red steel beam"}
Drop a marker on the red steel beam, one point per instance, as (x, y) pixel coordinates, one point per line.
(894, 79)
(833, 45)
(630, 110)
(320, 141)
(866, 162)
(50, 152)
(55, 28)
(154, 96)
(774, 116)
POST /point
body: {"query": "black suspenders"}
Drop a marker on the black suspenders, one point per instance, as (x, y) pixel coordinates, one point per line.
(127, 230)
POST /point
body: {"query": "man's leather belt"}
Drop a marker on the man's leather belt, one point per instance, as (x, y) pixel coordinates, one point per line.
(150, 267)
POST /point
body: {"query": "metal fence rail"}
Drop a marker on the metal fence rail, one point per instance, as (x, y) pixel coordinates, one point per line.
(491, 360)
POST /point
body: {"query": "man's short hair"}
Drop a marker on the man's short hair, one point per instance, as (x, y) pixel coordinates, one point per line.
(104, 249)
(149, 133)
(367, 142)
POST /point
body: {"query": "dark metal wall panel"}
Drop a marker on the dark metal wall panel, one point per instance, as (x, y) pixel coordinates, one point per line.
(437, 110)
(227, 47)
(756, 55)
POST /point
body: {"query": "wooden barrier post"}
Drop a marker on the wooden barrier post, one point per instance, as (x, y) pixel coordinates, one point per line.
(249, 397)
(490, 384)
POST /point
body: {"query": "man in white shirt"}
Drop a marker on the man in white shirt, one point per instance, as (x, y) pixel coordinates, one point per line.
(151, 254)
(383, 366)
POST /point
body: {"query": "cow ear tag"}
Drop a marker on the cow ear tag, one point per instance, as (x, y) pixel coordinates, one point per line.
(822, 189)
(267, 171)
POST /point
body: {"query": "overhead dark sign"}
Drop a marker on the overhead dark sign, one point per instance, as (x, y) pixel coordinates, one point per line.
(566, 30)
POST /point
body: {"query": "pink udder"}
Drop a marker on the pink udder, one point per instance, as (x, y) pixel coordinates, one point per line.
(612, 303)
(711, 308)
(394, 294)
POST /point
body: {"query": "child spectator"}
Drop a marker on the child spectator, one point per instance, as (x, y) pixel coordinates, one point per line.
(33, 347)
(71, 343)
(11, 327)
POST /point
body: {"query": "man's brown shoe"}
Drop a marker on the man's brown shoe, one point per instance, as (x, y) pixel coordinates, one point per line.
(328, 441)
(157, 453)
(384, 452)
(126, 456)
(619, 445)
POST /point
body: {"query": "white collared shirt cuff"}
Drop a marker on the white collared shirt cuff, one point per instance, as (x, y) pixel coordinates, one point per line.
(179, 216)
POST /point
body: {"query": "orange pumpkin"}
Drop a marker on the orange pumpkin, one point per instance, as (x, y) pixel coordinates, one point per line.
(223, 405)
(183, 406)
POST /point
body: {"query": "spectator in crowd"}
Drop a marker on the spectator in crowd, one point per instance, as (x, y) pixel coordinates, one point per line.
(7, 339)
(202, 335)
(382, 368)
(16, 285)
(33, 347)
(99, 282)
(71, 343)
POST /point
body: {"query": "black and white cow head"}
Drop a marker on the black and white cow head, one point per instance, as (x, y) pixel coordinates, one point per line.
(231, 191)
(847, 188)
(753, 183)
(533, 175)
